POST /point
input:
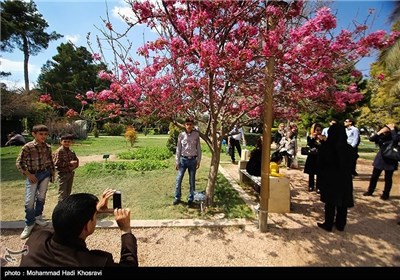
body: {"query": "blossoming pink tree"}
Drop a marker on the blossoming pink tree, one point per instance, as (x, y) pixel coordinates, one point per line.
(209, 61)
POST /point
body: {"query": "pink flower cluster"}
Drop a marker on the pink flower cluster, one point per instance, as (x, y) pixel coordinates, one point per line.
(214, 60)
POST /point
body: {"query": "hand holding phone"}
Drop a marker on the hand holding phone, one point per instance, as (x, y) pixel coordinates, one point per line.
(117, 201)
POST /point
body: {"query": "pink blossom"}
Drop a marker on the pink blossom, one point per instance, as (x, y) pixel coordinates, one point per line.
(71, 113)
(96, 56)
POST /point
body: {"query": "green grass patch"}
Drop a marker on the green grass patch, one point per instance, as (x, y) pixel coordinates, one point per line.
(147, 180)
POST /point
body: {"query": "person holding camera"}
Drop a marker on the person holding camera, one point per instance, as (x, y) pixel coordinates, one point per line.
(74, 219)
(386, 135)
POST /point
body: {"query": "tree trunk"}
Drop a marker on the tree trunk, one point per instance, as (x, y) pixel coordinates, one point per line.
(212, 175)
(26, 60)
(215, 147)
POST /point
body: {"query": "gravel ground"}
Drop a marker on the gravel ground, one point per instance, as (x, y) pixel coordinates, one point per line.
(371, 238)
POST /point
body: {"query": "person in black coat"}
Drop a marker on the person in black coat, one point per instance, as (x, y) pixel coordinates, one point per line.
(314, 141)
(383, 138)
(253, 167)
(335, 173)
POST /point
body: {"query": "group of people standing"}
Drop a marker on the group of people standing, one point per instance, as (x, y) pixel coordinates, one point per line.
(39, 165)
(333, 163)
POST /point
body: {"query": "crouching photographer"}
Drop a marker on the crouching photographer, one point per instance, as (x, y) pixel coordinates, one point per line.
(74, 219)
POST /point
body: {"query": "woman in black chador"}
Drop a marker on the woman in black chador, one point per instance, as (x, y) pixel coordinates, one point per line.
(336, 180)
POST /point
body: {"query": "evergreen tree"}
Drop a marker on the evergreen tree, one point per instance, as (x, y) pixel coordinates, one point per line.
(22, 26)
(70, 72)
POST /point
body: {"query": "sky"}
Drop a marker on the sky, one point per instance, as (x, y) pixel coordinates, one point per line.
(76, 18)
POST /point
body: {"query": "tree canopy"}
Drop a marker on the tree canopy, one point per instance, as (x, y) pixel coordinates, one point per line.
(23, 27)
(209, 62)
(71, 71)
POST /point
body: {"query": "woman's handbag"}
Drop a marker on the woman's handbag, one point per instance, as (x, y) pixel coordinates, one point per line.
(305, 151)
(391, 152)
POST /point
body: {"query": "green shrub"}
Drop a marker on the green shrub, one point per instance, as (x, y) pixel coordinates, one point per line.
(118, 167)
(113, 129)
(252, 138)
(130, 135)
(96, 132)
(173, 137)
(153, 153)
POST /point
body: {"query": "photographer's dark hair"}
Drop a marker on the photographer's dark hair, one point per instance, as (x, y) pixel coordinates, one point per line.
(72, 214)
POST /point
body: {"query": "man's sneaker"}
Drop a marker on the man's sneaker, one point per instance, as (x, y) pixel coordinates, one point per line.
(39, 220)
(176, 201)
(27, 231)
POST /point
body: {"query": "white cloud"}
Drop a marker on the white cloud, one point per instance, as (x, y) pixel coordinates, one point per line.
(122, 12)
(72, 38)
(16, 68)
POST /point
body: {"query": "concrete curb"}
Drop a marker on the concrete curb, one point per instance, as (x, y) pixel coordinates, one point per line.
(150, 223)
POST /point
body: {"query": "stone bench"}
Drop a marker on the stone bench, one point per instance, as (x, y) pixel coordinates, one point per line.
(279, 189)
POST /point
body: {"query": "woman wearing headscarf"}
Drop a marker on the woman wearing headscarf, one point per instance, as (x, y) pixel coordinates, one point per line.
(337, 184)
(314, 141)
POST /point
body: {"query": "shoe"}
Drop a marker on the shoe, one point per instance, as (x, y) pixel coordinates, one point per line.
(355, 173)
(189, 203)
(339, 228)
(39, 220)
(27, 231)
(310, 189)
(367, 194)
(324, 226)
(318, 191)
(176, 201)
(384, 197)
(233, 161)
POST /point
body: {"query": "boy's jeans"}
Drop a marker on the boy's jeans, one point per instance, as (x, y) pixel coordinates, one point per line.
(190, 165)
(35, 196)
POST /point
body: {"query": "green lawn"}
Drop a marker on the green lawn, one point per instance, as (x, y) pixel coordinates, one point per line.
(149, 194)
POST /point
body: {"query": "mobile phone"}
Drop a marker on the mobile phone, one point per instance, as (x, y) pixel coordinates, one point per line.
(117, 203)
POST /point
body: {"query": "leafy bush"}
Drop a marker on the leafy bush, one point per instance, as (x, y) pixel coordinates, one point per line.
(117, 167)
(113, 129)
(130, 135)
(252, 138)
(173, 137)
(96, 132)
(153, 153)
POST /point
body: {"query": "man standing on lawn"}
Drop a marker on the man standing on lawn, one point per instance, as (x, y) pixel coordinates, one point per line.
(188, 156)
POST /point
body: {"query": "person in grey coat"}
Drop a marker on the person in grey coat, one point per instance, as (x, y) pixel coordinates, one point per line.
(335, 173)
(383, 138)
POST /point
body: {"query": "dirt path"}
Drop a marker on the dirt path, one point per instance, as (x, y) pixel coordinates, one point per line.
(371, 238)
